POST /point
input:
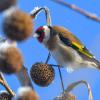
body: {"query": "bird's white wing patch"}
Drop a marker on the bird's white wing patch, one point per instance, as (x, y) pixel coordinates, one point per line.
(69, 69)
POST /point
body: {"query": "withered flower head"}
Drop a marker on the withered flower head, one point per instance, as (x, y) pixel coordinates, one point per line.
(5, 95)
(42, 74)
(26, 93)
(5, 4)
(17, 25)
(10, 60)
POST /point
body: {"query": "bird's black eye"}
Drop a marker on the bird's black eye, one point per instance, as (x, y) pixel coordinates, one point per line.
(40, 30)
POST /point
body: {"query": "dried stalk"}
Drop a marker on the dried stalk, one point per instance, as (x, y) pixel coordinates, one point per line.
(73, 85)
(37, 10)
(24, 78)
(60, 74)
(4, 83)
(48, 58)
(34, 14)
(79, 10)
(66, 95)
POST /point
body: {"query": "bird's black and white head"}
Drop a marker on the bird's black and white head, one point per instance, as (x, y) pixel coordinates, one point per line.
(42, 34)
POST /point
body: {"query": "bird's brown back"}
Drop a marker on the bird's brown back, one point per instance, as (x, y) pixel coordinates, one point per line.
(67, 34)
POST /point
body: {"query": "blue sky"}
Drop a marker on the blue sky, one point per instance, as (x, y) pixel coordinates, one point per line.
(86, 30)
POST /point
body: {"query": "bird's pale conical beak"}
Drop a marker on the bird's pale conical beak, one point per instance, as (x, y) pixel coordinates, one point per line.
(35, 35)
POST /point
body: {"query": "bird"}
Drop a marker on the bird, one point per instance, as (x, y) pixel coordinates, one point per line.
(67, 50)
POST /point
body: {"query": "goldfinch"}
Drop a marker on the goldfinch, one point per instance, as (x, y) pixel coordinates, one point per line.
(66, 49)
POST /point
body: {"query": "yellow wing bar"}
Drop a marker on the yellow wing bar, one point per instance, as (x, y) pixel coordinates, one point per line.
(81, 49)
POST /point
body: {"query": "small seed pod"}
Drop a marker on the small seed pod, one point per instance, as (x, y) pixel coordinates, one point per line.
(66, 96)
(5, 4)
(5, 95)
(10, 60)
(26, 93)
(42, 74)
(17, 25)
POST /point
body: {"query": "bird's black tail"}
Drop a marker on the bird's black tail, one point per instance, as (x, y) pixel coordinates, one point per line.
(96, 62)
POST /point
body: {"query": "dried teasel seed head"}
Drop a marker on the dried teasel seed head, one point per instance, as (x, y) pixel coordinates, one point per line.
(42, 74)
(26, 93)
(17, 25)
(5, 4)
(5, 95)
(10, 60)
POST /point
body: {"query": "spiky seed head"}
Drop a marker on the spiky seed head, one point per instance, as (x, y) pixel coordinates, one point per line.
(42, 74)
(26, 93)
(5, 95)
(5, 4)
(10, 60)
(17, 25)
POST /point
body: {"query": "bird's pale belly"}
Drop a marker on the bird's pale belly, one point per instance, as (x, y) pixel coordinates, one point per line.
(65, 55)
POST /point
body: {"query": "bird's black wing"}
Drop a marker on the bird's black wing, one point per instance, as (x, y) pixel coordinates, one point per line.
(72, 41)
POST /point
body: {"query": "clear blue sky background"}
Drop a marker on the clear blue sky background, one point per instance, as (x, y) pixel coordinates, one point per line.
(86, 30)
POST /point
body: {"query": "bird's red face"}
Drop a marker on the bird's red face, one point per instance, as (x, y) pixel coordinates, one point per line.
(41, 34)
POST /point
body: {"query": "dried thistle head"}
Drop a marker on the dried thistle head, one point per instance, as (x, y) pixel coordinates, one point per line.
(17, 25)
(42, 74)
(26, 93)
(4, 95)
(10, 60)
(66, 96)
(5, 4)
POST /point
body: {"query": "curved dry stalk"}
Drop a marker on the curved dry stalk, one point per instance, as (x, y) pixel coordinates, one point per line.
(73, 85)
(34, 14)
(4, 83)
(66, 95)
(79, 10)
(37, 10)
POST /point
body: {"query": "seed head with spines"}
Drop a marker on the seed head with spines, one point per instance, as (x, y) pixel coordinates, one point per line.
(42, 74)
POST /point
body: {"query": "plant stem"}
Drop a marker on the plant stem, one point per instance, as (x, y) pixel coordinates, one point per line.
(5, 84)
(79, 10)
(61, 78)
(49, 55)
